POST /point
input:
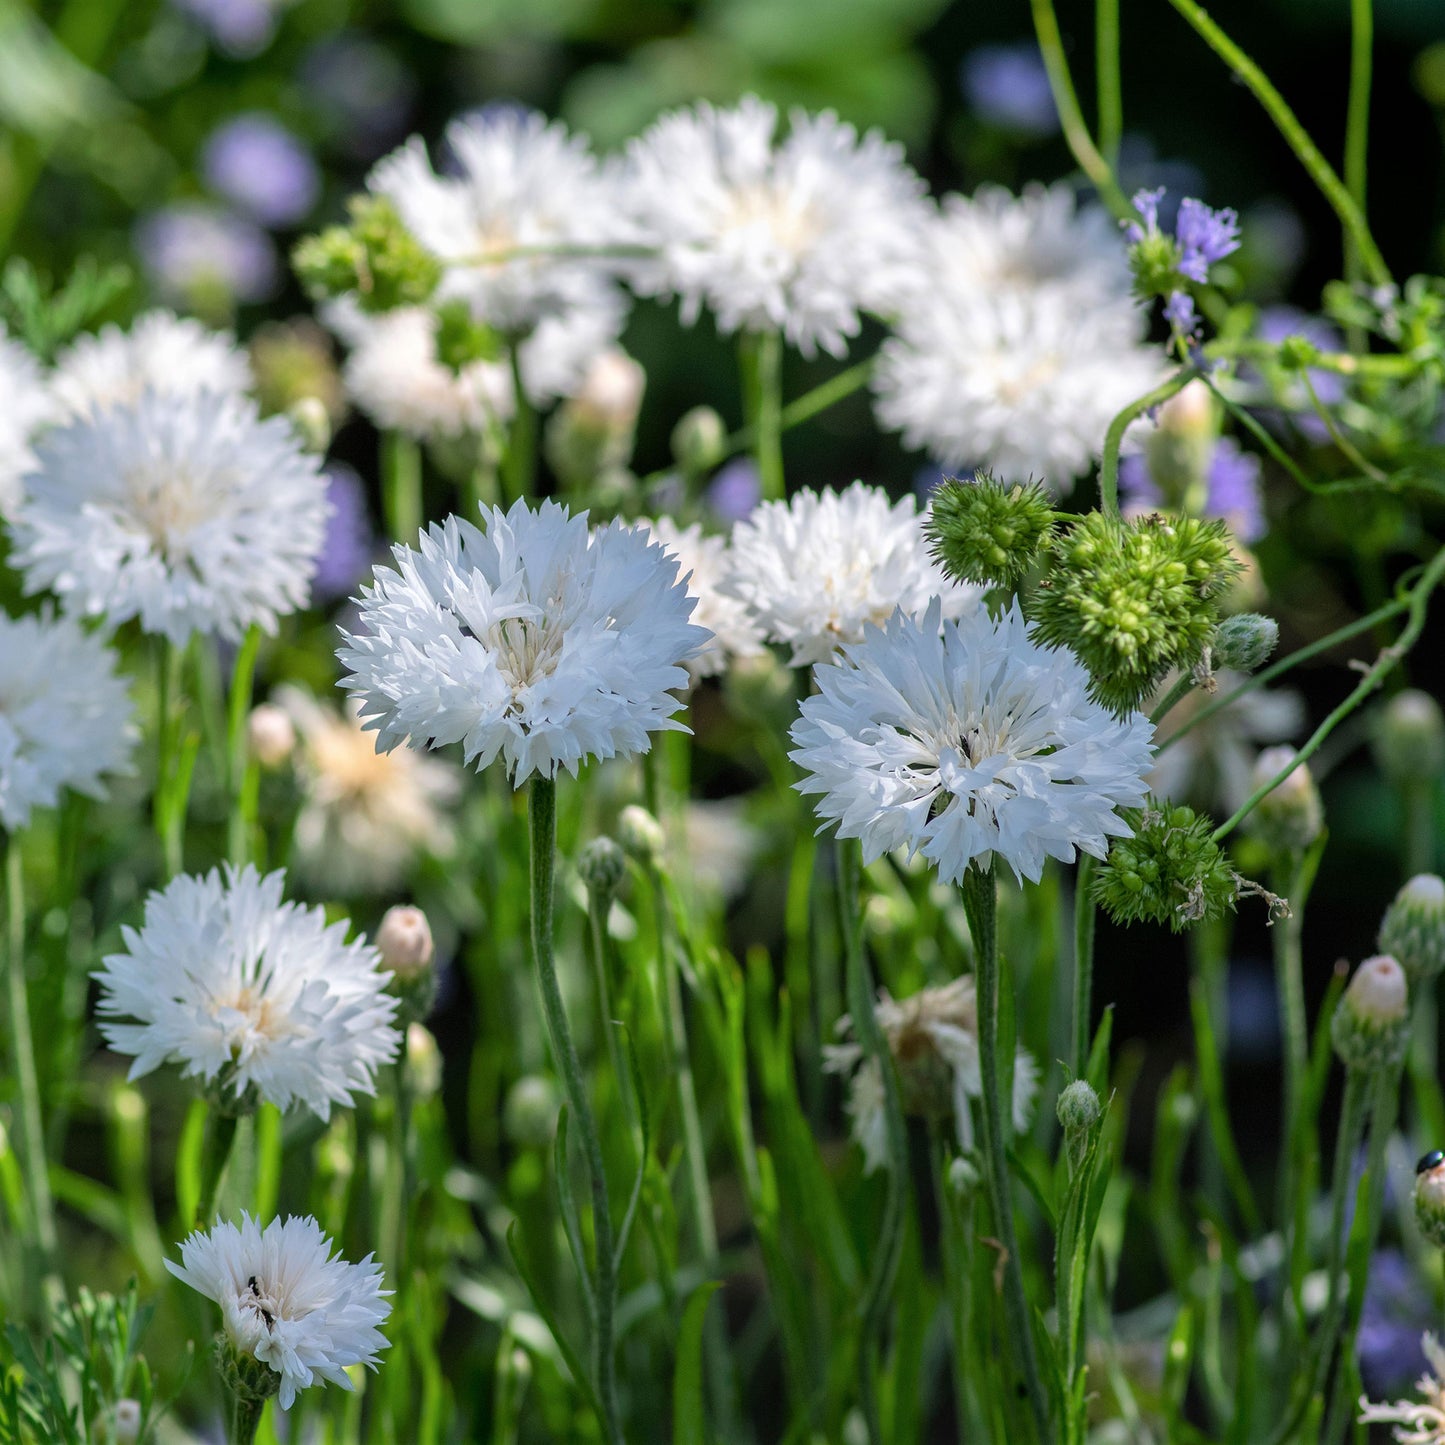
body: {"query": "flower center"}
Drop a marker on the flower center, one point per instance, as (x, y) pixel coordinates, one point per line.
(793, 226)
(168, 504)
(526, 652)
(250, 1015)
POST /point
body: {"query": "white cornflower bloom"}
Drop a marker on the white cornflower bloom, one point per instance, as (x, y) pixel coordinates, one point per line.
(539, 641)
(817, 569)
(797, 236)
(522, 184)
(258, 998)
(365, 816)
(287, 1300)
(933, 1038)
(27, 405)
(704, 564)
(1417, 1422)
(161, 352)
(1022, 383)
(65, 716)
(188, 512)
(1213, 763)
(965, 740)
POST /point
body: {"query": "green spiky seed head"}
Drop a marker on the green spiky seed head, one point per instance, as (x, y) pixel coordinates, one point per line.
(1429, 1200)
(1409, 742)
(375, 257)
(1413, 928)
(1154, 259)
(1246, 641)
(1170, 871)
(1134, 599)
(987, 532)
(1372, 1021)
(462, 340)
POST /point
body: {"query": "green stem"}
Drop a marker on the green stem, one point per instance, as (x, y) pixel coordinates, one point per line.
(1110, 88)
(1114, 437)
(167, 810)
(761, 359)
(597, 931)
(519, 461)
(22, 1059)
(401, 486)
(1183, 686)
(220, 1135)
(241, 779)
(543, 819)
(245, 1420)
(1319, 169)
(1357, 122)
(980, 902)
(1071, 118)
(1085, 912)
(1375, 674)
(873, 1306)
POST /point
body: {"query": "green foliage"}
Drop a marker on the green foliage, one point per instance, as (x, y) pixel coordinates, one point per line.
(1171, 871)
(462, 340)
(986, 532)
(375, 258)
(1134, 599)
(46, 318)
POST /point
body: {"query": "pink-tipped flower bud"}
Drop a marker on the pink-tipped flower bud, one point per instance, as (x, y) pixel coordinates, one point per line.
(1410, 739)
(270, 735)
(1290, 817)
(405, 943)
(1413, 928)
(1371, 1024)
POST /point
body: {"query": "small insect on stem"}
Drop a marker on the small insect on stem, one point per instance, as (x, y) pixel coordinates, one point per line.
(1433, 1160)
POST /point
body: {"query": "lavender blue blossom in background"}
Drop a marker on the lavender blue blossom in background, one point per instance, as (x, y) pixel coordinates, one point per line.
(1007, 86)
(240, 29)
(258, 165)
(735, 490)
(1232, 488)
(1398, 1309)
(1204, 237)
(196, 255)
(362, 93)
(347, 552)
(1278, 323)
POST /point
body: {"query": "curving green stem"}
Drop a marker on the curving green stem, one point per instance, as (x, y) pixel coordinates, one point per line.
(1110, 89)
(1114, 437)
(543, 819)
(1345, 205)
(980, 901)
(874, 1304)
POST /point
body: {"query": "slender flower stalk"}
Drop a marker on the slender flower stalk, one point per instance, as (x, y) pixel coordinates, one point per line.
(1085, 920)
(519, 462)
(980, 900)
(543, 818)
(242, 768)
(401, 472)
(761, 355)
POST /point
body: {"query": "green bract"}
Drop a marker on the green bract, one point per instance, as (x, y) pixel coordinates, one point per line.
(375, 257)
(987, 532)
(1171, 871)
(1134, 598)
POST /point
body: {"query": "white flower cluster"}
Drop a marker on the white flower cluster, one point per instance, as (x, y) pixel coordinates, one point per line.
(258, 998)
(540, 641)
(287, 1300)
(966, 740)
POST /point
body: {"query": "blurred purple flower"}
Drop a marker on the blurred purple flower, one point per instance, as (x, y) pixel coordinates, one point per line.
(1205, 236)
(1231, 488)
(735, 490)
(1008, 86)
(255, 162)
(350, 542)
(1277, 323)
(240, 28)
(195, 253)
(360, 89)
(1397, 1310)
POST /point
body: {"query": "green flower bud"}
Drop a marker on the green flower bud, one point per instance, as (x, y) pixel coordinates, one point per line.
(423, 1059)
(1079, 1110)
(1170, 871)
(1291, 817)
(291, 362)
(601, 865)
(529, 1114)
(375, 257)
(1245, 642)
(1429, 1197)
(1409, 742)
(641, 835)
(462, 340)
(697, 440)
(1134, 599)
(983, 531)
(1155, 258)
(1413, 929)
(1371, 1024)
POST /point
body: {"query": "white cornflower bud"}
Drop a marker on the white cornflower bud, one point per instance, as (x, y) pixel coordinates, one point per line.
(1410, 741)
(1413, 929)
(423, 1058)
(611, 392)
(697, 439)
(126, 1423)
(1371, 1024)
(529, 1114)
(1291, 817)
(405, 943)
(270, 735)
(601, 865)
(311, 422)
(641, 835)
